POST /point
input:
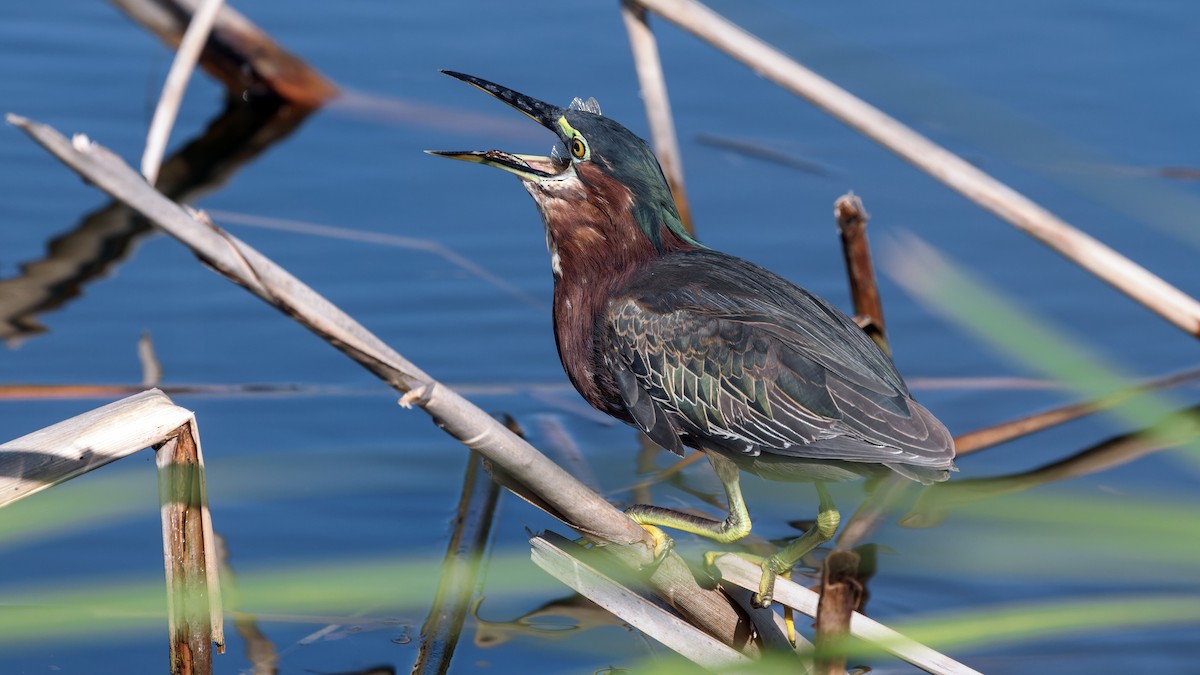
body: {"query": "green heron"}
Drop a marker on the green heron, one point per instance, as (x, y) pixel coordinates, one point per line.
(698, 348)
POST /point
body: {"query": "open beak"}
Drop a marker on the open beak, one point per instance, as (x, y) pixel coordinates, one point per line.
(527, 167)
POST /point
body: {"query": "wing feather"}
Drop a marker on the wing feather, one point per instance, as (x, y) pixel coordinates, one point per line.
(727, 353)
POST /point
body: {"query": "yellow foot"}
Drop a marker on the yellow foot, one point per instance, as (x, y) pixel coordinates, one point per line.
(710, 558)
(771, 567)
(765, 594)
(766, 588)
(662, 543)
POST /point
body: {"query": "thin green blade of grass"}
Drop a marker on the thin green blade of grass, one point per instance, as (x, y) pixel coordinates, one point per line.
(1002, 324)
(1157, 521)
(107, 607)
(1011, 624)
(1050, 620)
(1069, 538)
(87, 504)
(124, 492)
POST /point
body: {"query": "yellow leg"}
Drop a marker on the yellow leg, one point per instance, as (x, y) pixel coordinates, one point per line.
(783, 561)
(734, 527)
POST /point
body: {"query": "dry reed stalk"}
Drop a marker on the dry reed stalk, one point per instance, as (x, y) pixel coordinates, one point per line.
(841, 589)
(590, 513)
(1082, 249)
(172, 94)
(194, 619)
(658, 104)
(981, 439)
(571, 565)
(746, 574)
(840, 595)
(86, 442)
(63, 451)
(852, 219)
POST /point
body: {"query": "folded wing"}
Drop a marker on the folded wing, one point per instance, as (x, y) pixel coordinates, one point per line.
(726, 353)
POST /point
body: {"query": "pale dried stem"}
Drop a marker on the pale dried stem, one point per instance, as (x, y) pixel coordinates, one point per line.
(86, 442)
(1117, 270)
(175, 86)
(746, 574)
(658, 104)
(561, 559)
(852, 218)
(194, 619)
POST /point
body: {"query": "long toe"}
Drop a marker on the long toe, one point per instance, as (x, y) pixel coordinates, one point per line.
(766, 587)
(663, 544)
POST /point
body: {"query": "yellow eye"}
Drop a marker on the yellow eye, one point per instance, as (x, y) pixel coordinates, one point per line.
(578, 147)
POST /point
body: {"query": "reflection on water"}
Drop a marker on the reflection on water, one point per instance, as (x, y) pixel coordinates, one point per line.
(103, 238)
(556, 619)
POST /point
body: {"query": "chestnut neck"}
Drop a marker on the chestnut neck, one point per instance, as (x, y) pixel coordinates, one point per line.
(596, 245)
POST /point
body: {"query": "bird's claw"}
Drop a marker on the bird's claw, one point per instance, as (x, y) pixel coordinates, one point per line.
(771, 568)
(766, 591)
(663, 544)
(710, 558)
(766, 587)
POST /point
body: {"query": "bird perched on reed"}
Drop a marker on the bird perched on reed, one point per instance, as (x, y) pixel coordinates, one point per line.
(701, 349)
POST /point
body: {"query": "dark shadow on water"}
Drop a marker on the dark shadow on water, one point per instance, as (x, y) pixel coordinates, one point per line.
(557, 618)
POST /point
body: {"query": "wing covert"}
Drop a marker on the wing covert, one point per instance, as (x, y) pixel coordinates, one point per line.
(754, 364)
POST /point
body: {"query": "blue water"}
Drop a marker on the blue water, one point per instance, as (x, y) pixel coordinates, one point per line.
(1073, 105)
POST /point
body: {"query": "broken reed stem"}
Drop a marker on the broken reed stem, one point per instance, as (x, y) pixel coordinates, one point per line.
(193, 591)
(460, 569)
(586, 572)
(852, 220)
(587, 511)
(841, 589)
(840, 594)
(987, 437)
(73, 447)
(86, 442)
(167, 109)
(658, 104)
(1027, 216)
(746, 574)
